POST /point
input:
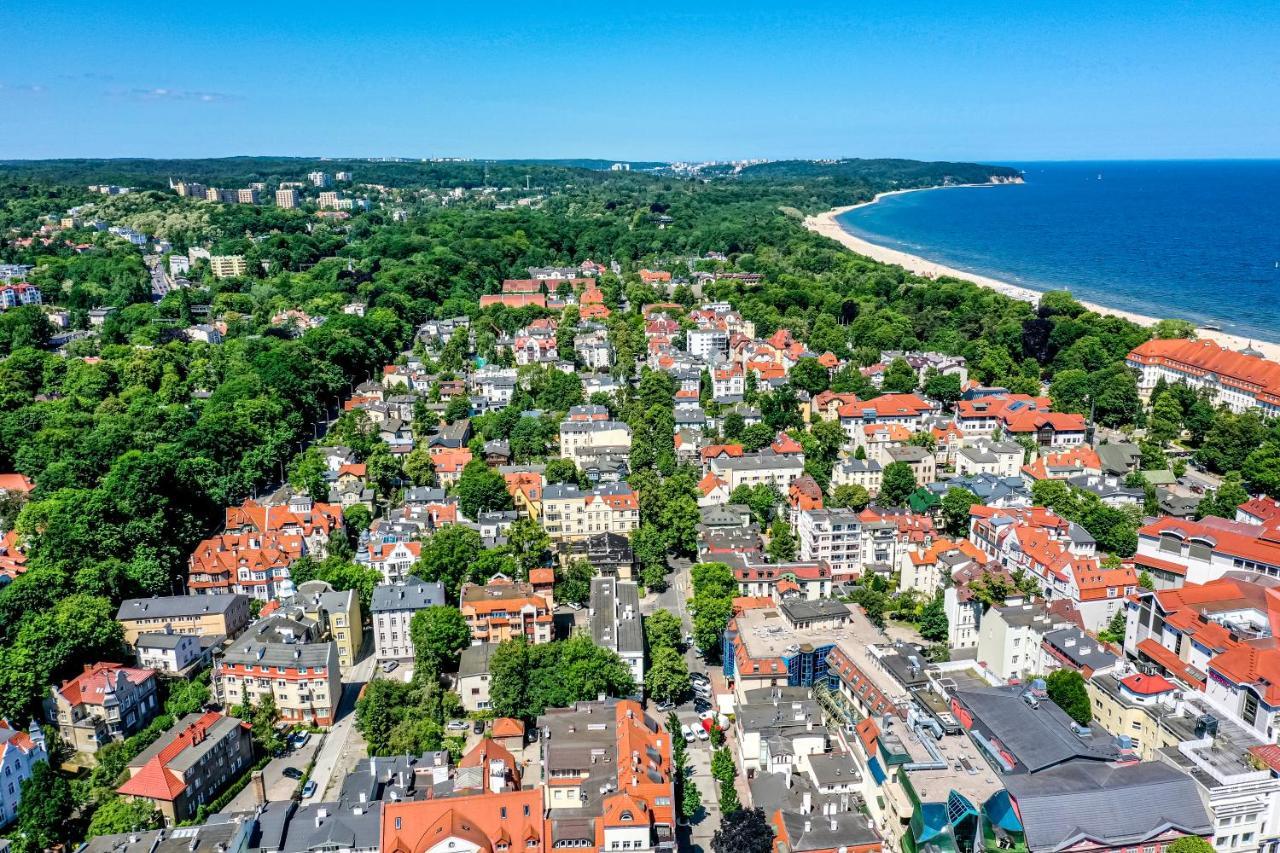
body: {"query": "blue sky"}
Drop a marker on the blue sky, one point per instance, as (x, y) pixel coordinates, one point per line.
(966, 81)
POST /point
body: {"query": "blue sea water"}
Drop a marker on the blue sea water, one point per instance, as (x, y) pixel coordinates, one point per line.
(1199, 240)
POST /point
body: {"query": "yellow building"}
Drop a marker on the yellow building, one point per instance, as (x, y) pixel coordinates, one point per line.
(1133, 706)
(227, 266)
(338, 614)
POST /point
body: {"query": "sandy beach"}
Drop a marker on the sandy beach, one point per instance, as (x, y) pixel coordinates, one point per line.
(826, 225)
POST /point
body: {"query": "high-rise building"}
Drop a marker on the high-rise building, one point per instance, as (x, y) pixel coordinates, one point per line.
(227, 266)
(342, 176)
(287, 199)
(247, 196)
(319, 179)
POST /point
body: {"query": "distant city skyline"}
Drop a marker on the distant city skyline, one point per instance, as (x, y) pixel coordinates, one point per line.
(994, 82)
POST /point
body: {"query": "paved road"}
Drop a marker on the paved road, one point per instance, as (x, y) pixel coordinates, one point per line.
(279, 786)
(335, 756)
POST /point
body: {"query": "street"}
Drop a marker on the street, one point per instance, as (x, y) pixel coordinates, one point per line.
(343, 746)
(698, 833)
(279, 786)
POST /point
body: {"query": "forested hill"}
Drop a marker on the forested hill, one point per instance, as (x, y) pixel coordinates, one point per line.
(829, 180)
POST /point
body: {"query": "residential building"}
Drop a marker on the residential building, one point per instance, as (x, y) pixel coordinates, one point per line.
(106, 703)
(190, 765)
(997, 459)
(319, 179)
(569, 514)
(16, 295)
(247, 196)
(1011, 636)
(392, 609)
(1071, 648)
(923, 466)
(494, 820)
(199, 615)
(866, 473)
(473, 676)
(621, 800)
(172, 653)
(834, 536)
(394, 559)
(337, 613)
(708, 344)
(19, 752)
(227, 266)
(616, 624)
(503, 609)
(577, 437)
(278, 657)
(288, 199)
(928, 569)
(756, 469)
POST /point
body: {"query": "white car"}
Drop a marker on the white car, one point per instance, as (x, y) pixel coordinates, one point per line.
(701, 733)
(458, 725)
(688, 732)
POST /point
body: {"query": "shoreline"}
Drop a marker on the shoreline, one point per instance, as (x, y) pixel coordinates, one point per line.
(827, 225)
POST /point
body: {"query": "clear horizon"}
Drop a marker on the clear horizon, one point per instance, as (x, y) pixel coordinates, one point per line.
(988, 82)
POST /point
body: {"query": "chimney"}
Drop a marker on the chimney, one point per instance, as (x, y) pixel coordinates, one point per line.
(806, 807)
(259, 783)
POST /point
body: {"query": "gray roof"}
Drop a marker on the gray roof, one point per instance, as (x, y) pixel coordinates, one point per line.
(162, 641)
(756, 461)
(414, 594)
(1037, 737)
(329, 827)
(1118, 458)
(802, 610)
(475, 659)
(611, 627)
(860, 466)
(908, 453)
(1111, 805)
(1081, 649)
(172, 606)
(825, 832)
(833, 768)
(593, 426)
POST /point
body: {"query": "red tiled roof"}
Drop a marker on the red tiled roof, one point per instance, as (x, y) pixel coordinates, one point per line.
(1147, 685)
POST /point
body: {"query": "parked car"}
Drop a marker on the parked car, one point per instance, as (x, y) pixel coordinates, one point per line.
(478, 728)
(390, 665)
(703, 690)
(701, 733)
(291, 773)
(688, 639)
(664, 706)
(688, 732)
(309, 789)
(699, 677)
(700, 704)
(458, 725)
(299, 739)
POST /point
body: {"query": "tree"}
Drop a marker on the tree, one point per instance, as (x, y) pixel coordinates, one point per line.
(439, 634)
(529, 544)
(419, 468)
(896, 484)
(1166, 419)
(1262, 469)
(1190, 844)
(1114, 632)
(956, 504)
(448, 556)
(662, 630)
(119, 815)
(709, 622)
(573, 583)
(933, 620)
(46, 804)
(690, 799)
(1066, 689)
(729, 802)
(899, 378)
(851, 496)
(1145, 581)
(743, 831)
(722, 765)
(782, 543)
(809, 375)
(762, 498)
(667, 677)
(944, 387)
(713, 580)
(481, 489)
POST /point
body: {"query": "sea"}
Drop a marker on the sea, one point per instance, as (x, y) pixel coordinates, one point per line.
(1197, 240)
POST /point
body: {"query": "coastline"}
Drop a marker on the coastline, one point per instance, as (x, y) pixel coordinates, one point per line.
(827, 225)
